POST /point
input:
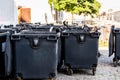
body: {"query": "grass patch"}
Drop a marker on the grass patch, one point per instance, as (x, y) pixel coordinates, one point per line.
(103, 44)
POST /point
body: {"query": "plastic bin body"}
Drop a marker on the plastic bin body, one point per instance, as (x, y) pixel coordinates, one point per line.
(35, 56)
(81, 50)
(2, 55)
(5, 55)
(81, 55)
(114, 45)
(117, 46)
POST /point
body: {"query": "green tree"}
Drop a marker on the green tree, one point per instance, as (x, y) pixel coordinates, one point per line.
(77, 6)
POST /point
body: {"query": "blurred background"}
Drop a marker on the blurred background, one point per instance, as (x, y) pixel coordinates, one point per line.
(100, 13)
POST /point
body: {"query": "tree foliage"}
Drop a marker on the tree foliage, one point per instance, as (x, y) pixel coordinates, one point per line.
(77, 6)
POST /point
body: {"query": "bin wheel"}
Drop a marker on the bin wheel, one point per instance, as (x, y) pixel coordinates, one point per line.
(69, 71)
(94, 70)
(19, 78)
(99, 54)
(52, 79)
(115, 63)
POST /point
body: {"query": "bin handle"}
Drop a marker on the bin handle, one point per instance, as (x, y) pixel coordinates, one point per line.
(65, 34)
(34, 42)
(81, 38)
(95, 35)
(4, 34)
(51, 29)
(52, 38)
(15, 37)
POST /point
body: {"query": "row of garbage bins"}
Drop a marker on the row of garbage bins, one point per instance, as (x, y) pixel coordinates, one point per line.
(37, 51)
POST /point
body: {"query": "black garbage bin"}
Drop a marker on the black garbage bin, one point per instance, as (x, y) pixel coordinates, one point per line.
(114, 45)
(43, 28)
(80, 50)
(5, 56)
(35, 55)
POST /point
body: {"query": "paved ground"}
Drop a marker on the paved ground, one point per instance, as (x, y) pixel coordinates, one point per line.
(105, 70)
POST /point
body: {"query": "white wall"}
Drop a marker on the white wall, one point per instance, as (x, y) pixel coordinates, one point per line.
(8, 12)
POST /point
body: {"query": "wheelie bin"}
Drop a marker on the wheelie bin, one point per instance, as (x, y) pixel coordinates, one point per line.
(114, 46)
(35, 55)
(80, 50)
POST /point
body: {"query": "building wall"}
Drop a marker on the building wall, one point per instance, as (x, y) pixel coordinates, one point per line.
(117, 16)
(8, 12)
